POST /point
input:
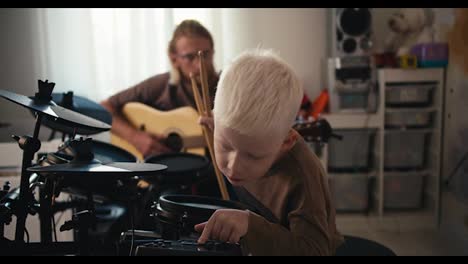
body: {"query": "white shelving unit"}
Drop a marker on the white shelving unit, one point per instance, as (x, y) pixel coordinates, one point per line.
(428, 215)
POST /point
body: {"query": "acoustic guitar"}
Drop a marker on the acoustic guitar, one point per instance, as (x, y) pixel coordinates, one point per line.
(180, 126)
(183, 133)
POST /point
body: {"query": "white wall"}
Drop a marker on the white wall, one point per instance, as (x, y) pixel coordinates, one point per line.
(20, 68)
(299, 35)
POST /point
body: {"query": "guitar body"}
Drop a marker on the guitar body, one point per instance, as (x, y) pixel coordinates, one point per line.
(182, 122)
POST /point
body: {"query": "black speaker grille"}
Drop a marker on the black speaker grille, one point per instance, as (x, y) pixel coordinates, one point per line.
(355, 21)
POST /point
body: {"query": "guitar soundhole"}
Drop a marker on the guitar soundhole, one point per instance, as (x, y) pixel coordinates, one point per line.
(174, 142)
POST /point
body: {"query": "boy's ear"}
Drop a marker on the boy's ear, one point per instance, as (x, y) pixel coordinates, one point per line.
(291, 138)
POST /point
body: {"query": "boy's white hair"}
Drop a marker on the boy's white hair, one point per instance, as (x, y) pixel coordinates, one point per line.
(258, 93)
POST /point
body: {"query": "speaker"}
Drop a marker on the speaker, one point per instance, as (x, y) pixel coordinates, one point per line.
(351, 32)
(352, 84)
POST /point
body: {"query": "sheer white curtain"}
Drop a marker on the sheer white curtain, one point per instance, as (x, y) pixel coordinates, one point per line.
(98, 52)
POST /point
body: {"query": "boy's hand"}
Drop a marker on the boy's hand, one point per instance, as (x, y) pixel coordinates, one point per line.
(227, 225)
(207, 122)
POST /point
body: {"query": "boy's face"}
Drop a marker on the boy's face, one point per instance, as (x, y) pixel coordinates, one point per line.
(244, 158)
(187, 59)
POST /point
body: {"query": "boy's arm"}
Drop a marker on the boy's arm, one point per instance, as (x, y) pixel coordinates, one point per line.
(308, 236)
(310, 220)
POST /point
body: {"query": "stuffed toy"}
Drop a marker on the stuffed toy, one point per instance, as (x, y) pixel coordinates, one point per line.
(409, 27)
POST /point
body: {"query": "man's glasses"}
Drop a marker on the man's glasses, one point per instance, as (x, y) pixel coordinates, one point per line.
(192, 56)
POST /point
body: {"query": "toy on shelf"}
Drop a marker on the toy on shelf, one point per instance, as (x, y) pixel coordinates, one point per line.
(409, 27)
(408, 61)
(385, 60)
(311, 110)
(431, 54)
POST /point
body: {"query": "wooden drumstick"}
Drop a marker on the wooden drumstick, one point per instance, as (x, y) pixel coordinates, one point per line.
(196, 96)
(205, 90)
(209, 140)
(204, 84)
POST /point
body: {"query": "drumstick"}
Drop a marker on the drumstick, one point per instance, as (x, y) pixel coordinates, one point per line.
(209, 140)
(208, 135)
(204, 84)
(206, 110)
(196, 95)
(205, 90)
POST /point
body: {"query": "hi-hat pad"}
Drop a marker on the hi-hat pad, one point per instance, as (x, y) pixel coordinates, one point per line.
(83, 106)
(57, 117)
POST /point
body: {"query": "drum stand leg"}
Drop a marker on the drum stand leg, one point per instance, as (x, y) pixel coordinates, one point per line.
(30, 146)
(84, 223)
(5, 219)
(45, 213)
(3, 211)
(2, 229)
(81, 222)
(141, 202)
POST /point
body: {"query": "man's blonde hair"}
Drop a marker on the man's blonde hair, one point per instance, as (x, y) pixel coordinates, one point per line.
(189, 28)
(258, 93)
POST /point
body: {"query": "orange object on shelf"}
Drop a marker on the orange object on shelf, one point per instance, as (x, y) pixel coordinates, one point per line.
(319, 104)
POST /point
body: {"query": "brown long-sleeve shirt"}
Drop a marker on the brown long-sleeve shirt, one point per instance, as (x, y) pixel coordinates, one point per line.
(158, 92)
(296, 191)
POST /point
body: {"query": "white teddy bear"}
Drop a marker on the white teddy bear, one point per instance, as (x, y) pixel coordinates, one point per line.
(410, 26)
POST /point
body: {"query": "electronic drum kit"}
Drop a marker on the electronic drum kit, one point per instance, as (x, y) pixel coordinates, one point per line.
(87, 169)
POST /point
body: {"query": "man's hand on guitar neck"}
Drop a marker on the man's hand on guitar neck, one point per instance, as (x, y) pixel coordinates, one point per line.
(149, 144)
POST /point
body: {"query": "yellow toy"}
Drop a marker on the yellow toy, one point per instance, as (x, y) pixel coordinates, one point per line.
(408, 61)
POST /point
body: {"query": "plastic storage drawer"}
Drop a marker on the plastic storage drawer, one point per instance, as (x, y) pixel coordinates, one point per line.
(405, 149)
(350, 191)
(403, 190)
(352, 153)
(408, 118)
(408, 94)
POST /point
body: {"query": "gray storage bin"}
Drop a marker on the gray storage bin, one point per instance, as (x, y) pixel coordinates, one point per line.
(403, 190)
(352, 153)
(408, 118)
(350, 191)
(402, 94)
(404, 149)
(350, 101)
